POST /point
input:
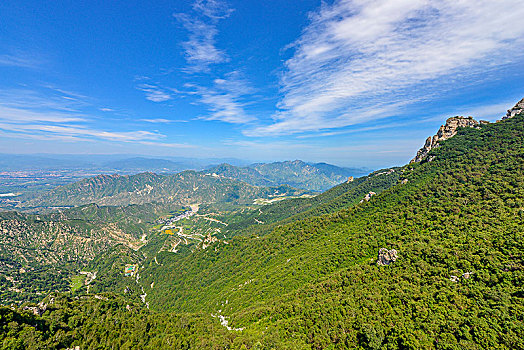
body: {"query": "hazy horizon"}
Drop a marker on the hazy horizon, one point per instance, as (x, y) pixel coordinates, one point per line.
(351, 83)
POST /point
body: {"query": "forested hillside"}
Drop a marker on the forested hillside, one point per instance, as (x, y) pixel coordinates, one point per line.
(40, 253)
(456, 223)
(339, 197)
(450, 276)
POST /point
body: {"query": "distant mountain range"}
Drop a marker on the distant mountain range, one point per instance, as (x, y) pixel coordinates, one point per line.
(141, 164)
(184, 188)
(314, 177)
(119, 163)
(310, 176)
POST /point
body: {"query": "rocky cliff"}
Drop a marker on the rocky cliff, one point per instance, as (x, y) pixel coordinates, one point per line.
(445, 132)
(517, 109)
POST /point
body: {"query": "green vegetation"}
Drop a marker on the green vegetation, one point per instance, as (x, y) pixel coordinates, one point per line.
(41, 253)
(306, 277)
(313, 283)
(104, 323)
(77, 282)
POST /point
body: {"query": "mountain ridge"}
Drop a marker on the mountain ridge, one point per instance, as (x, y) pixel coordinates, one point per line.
(296, 173)
(184, 188)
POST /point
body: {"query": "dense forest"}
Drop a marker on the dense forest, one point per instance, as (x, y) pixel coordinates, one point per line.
(310, 279)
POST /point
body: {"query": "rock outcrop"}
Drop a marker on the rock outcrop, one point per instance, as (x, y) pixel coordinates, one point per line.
(37, 310)
(386, 257)
(367, 197)
(517, 109)
(445, 132)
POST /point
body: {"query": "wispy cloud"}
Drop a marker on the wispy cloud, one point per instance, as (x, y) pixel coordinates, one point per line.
(167, 144)
(354, 131)
(57, 114)
(200, 48)
(80, 131)
(19, 60)
(357, 57)
(18, 115)
(214, 9)
(225, 99)
(163, 121)
(491, 112)
(155, 93)
(48, 98)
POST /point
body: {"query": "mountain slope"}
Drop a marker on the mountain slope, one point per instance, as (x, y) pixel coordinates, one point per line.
(40, 253)
(456, 224)
(339, 197)
(455, 220)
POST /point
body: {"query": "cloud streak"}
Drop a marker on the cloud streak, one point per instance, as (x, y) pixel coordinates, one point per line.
(155, 93)
(79, 131)
(200, 48)
(224, 99)
(21, 61)
(357, 57)
(55, 114)
(163, 121)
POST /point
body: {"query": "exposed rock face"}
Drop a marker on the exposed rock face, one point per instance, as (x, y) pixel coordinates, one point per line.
(518, 109)
(386, 257)
(454, 278)
(37, 310)
(368, 197)
(445, 132)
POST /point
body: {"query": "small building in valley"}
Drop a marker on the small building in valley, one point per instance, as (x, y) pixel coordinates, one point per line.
(129, 270)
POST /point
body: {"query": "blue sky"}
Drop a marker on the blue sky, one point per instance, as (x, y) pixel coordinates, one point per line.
(354, 82)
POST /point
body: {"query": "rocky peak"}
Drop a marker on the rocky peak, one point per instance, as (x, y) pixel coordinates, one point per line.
(445, 132)
(517, 109)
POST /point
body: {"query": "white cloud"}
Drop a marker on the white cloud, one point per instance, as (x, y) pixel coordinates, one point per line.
(80, 131)
(163, 121)
(200, 48)
(22, 61)
(224, 99)
(155, 93)
(213, 9)
(56, 114)
(48, 98)
(17, 115)
(490, 112)
(372, 53)
(167, 144)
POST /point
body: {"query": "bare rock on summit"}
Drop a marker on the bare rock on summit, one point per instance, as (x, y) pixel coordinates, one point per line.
(517, 109)
(445, 132)
(386, 257)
